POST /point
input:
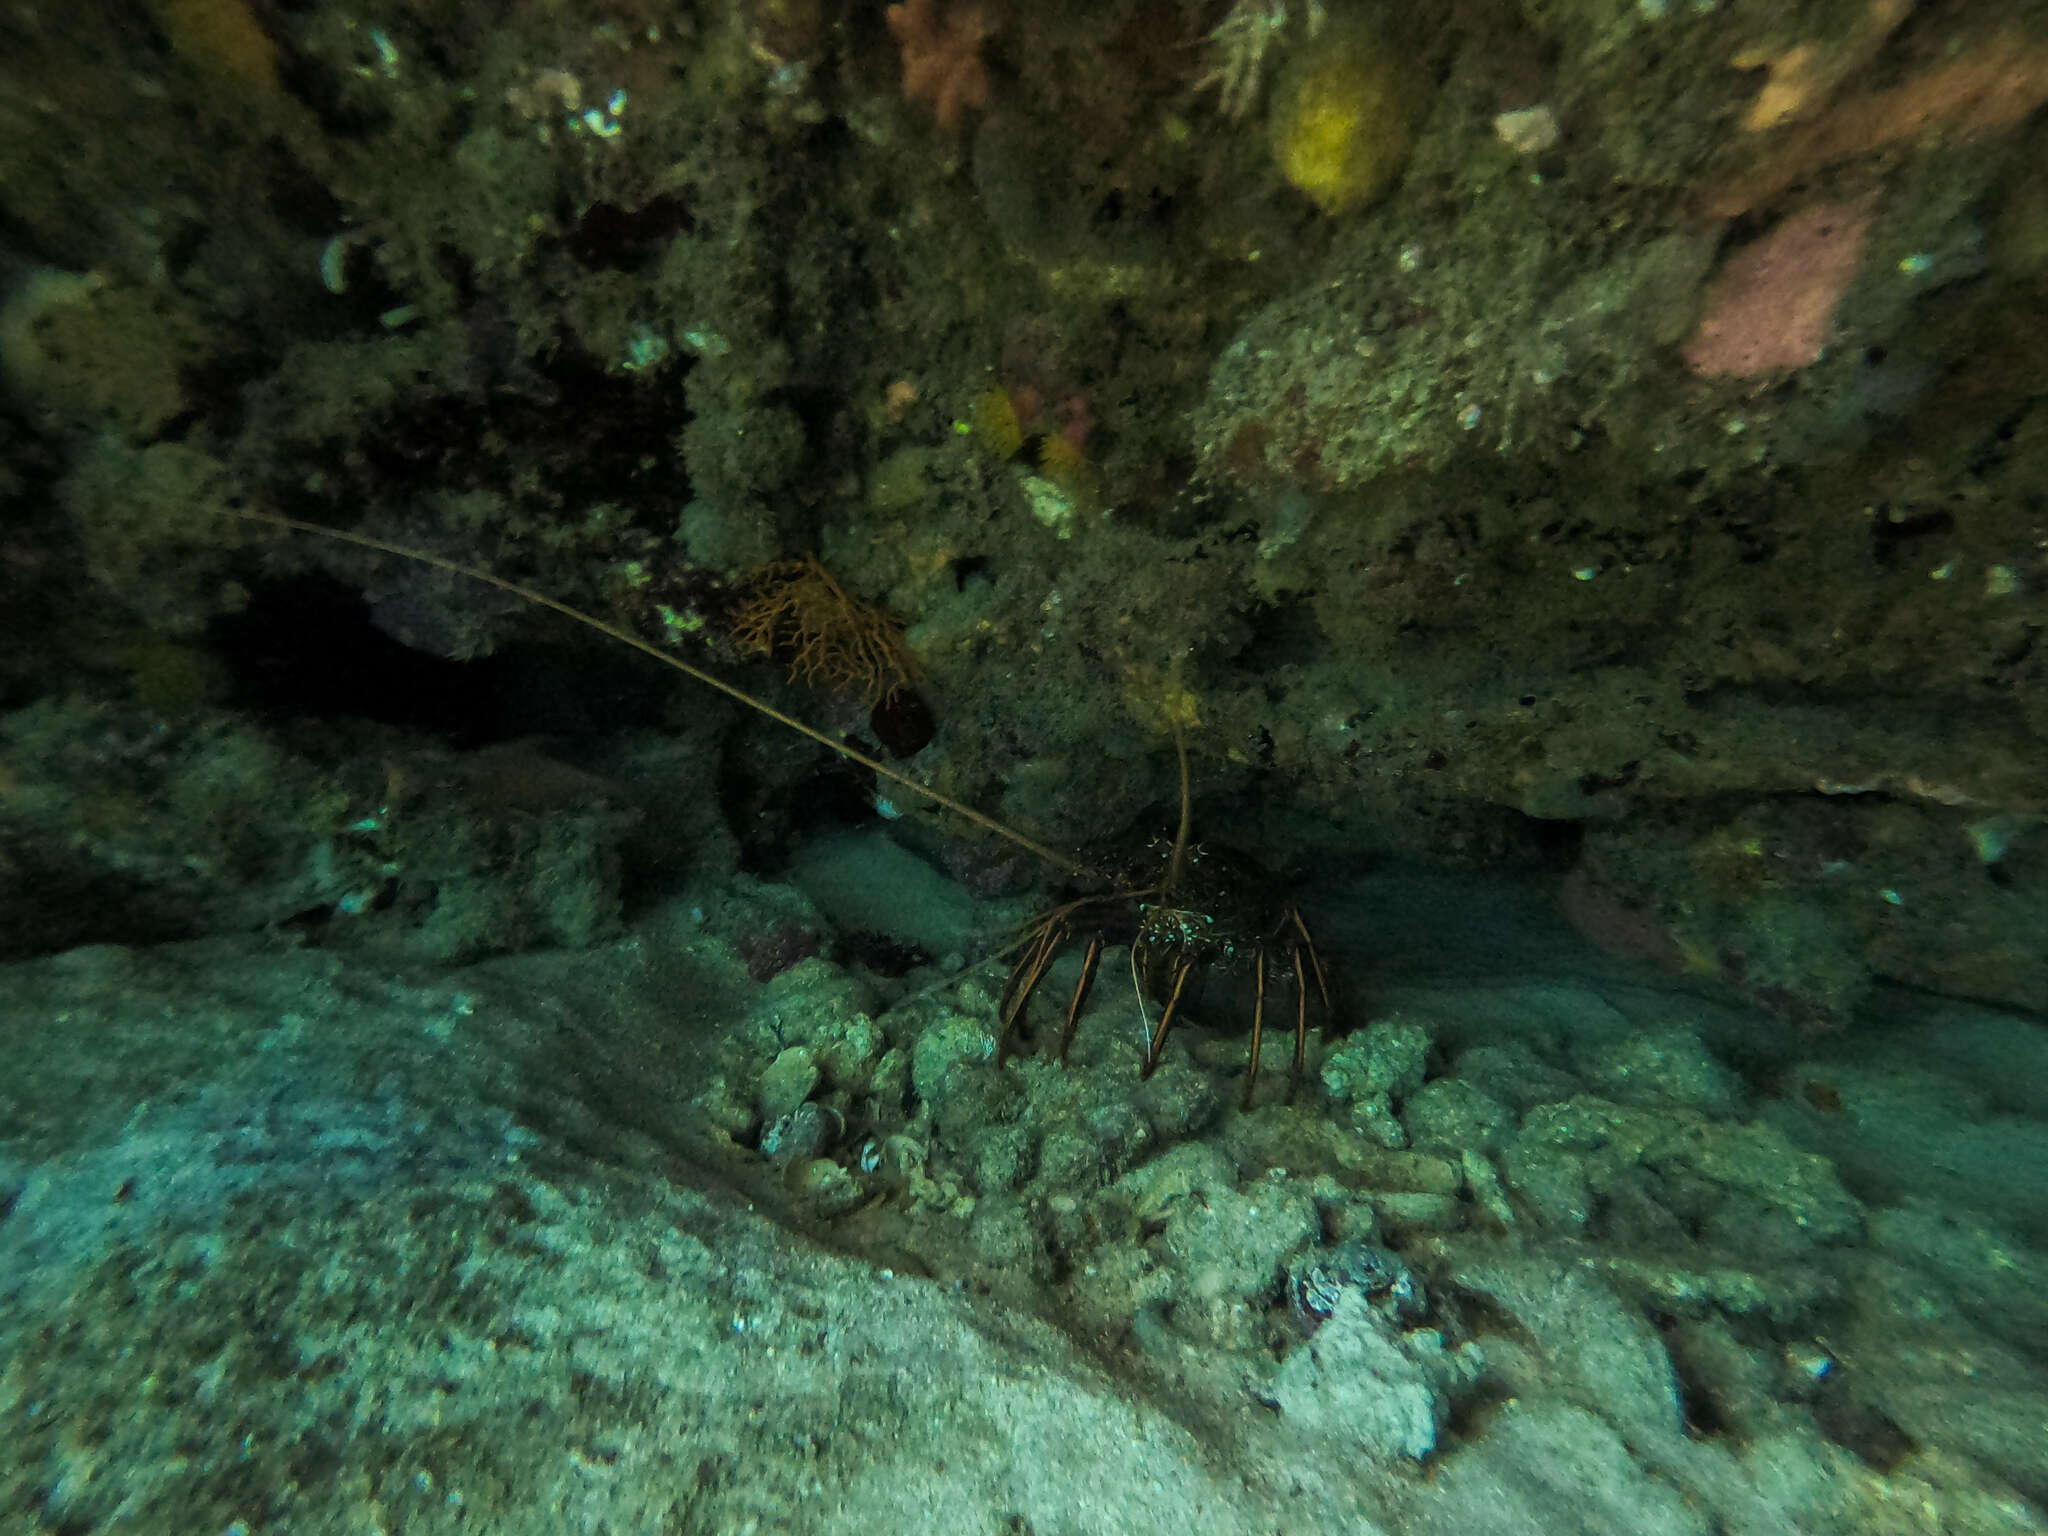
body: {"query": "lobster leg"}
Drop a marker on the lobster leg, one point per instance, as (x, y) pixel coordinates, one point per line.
(1251, 1077)
(1080, 998)
(1024, 980)
(1181, 973)
(1308, 943)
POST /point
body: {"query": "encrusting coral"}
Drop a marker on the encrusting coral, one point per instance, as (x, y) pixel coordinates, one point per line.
(1773, 306)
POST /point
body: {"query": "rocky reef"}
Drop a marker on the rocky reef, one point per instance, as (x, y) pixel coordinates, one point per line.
(1502, 548)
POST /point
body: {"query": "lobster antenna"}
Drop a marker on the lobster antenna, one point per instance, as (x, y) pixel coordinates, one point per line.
(1187, 813)
(1138, 992)
(698, 674)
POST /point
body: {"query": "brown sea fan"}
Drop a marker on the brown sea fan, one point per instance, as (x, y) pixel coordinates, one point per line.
(796, 610)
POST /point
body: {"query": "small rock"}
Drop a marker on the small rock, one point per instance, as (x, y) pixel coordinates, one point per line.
(1388, 1057)
(828, 1188)
(1354, 1383)
(723, 1109)
(1483, 1180)
(1440, 1213)
(1669, 1069)
(1453, 1113)
(847, 1050)
(1069, 1160)
(791, 1078)
(805, 1132)
(951, 1071)
(1528, 130)
(1002, 1234)
(1000, 1158)
(943, 1048)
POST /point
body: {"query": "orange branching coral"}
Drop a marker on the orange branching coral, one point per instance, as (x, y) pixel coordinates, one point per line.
(1806, 75)
(1986, 91)
(223, 38)
(942, 56)
(794, 608)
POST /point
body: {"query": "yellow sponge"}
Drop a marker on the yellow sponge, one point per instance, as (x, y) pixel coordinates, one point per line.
(1343, 120)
